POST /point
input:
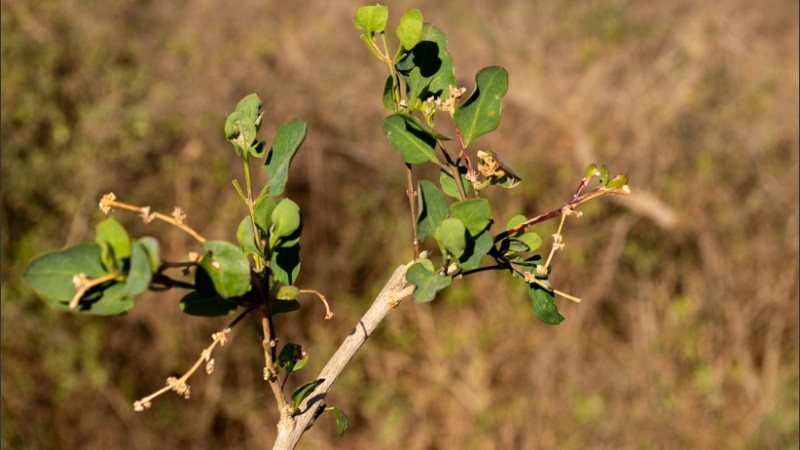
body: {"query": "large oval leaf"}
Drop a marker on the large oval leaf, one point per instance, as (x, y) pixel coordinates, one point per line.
(451, 236)
(475, 213)
(432, 205)
(50, 275)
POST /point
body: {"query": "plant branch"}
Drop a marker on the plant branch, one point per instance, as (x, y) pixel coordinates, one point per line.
(412, 204)
(271, 371)
(395, 290)
(109, 201)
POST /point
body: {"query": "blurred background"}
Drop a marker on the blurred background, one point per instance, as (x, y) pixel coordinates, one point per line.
(687, 336)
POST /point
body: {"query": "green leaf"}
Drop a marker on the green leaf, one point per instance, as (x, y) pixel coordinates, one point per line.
(341, 419)
(139, 272)
(196, 304)
(286, 222)
(432, 206)
(590, 171)
(449, 185)
(263, 213)
(250, 106)
(292, 357)
(112, 236)
(480, 113)
(544, 305)
(516, 220)
(302, 392)
(284, 146)
(418, 124)
(427, 68)
(151, 247)
(531, 240)
(388, 98)
(414, 145)
(426, 282)
(409, 31)
(285, 264)
(50, 274)
(618, 181)
(244, 234)
(475, 213)
(450, 234)
(240, 129)
(477, 247)
(228, 268)
(372, 19)
(604, 176)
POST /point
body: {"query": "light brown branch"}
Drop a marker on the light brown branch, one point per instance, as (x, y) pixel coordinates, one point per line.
(395, 290)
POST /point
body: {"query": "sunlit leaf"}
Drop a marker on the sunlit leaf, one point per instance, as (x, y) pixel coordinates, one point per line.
(372, 19)
(480, 113)
(426, 282)
(228, 268)
(414, 145)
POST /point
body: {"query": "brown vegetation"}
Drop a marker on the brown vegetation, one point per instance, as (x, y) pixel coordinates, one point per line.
(688, 333)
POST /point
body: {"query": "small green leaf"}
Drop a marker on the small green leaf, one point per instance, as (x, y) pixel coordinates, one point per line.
(544, 305)
(590, 171)
(372, 19)
(302, 392)
(475, 213)
(618, 181)
(228, 268)
(286, 222)
(531, 240)
(250, 106)
(284, 146)
(516, 220)
(426, 283)
(450, 236)
(263, 213)
(413, 144)
(244, 234)
(603, 177)
(292, 357)
(139, 272)
(111, 235)
(151, 246)
(388, 98)
(341, 419)
(480, 113)
(283, 292)
(449, 185)
(196, 304)
(409, 31)
(432, 206)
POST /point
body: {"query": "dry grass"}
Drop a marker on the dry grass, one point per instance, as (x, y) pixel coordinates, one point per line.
(688, 333)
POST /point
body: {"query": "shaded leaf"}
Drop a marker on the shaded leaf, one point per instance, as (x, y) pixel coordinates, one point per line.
(477, 247)
(152, 248)
(244, 234)
(432, 206)
(292, 357)
(449, 185)
(302, 392)
(139, 273)
(544, 305)
(196, 304)
(341, 420)
(287, 140)
(427, 68)
(480, 113)
(263, 213)
(285, 264)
